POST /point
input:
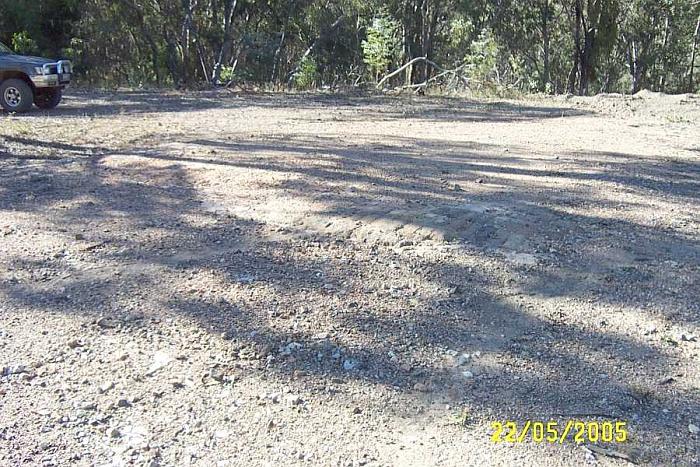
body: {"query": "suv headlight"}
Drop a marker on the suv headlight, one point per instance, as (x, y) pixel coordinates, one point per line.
(39, 70)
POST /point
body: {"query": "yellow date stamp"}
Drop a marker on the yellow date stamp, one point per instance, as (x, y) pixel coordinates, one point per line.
(552, 431)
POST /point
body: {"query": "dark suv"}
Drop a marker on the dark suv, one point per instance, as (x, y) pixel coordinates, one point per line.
(31, 80)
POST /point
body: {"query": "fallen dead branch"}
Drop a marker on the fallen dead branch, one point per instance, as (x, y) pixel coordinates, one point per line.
(455, 73)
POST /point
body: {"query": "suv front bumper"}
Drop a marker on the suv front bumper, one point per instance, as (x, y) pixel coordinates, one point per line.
(54, 75)
(51, 81)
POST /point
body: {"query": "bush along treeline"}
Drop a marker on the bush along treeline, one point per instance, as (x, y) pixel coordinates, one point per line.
(552, 46)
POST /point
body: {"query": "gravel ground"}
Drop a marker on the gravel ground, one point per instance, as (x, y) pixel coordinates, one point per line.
(223, 279)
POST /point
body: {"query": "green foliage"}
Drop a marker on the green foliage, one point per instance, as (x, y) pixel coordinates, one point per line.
(72, 51)
(608, 12)
(47, 23)
(305, 77)
(227, 74)
(483, 57)
(656, 39)
(381, 44)
(23, 44)
(509, 45)
(461, 30)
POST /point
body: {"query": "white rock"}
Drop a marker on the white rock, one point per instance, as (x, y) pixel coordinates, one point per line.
(462, 359)
(105, 387)
(694, 429)
(467, 374)
(290, 348)
(521, 259)
(686, 337)
(159, 360)
(350, 364)
(294, 399)
(135, 435)
(221, 434)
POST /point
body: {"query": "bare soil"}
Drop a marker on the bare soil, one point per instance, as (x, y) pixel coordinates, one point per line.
(221, 279)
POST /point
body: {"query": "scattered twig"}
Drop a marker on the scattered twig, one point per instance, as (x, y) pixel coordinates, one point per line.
(94, 246)
(611, 453)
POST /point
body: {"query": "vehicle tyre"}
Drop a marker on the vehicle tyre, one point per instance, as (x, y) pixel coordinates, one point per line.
(16, 95)
(48, 98)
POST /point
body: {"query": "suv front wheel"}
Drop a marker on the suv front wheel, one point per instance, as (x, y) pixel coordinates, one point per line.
(16, 95)
(47, 98)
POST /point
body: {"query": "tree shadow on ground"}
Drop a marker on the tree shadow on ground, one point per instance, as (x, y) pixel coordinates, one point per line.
(359, 309)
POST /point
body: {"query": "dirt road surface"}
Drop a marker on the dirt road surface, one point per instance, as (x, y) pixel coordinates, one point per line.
(220, 279)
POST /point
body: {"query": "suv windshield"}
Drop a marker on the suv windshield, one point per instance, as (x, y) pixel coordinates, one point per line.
(5, 49)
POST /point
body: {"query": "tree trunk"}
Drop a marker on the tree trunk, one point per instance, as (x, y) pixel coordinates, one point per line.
(185, 38)
(172, 60)
(227, 43)
(425, 36)
(545, 45)
(637, 67)
(408, 39)
(154, 60)
(406, 54)
(575, 70)
(313, 45)
(662, 73)
(585, 61)
(692, 56)
(275, 60)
